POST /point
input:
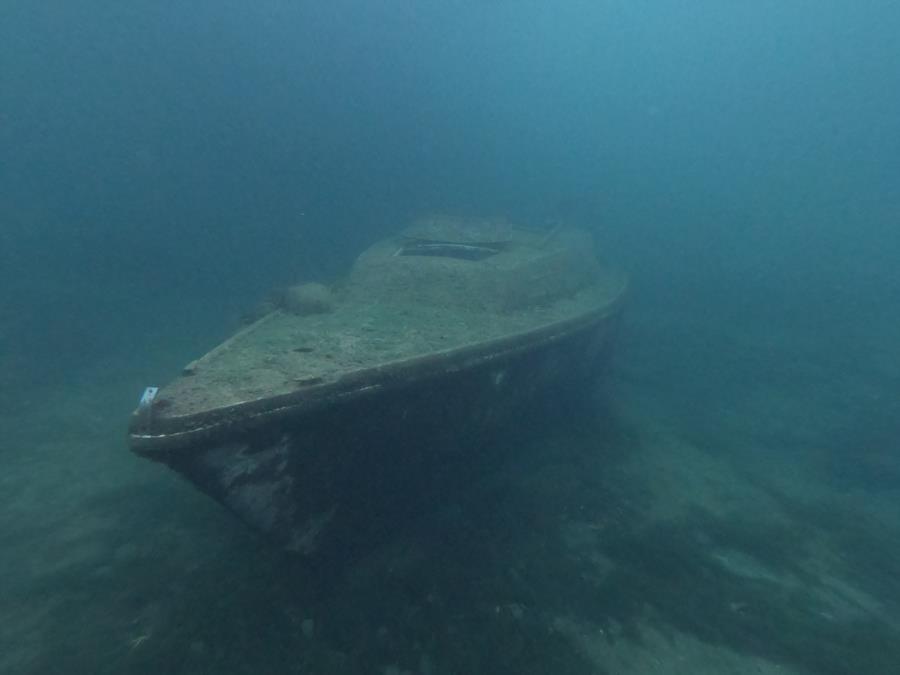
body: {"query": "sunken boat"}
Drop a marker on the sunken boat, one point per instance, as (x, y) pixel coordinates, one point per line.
(326, 411)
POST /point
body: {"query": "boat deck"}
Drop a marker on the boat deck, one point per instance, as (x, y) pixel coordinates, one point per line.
(283, 353)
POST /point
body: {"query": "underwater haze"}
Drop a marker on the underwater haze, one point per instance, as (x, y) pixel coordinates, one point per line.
(727, 503)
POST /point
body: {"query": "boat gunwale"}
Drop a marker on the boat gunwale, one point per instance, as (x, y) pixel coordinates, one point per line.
(176, 432)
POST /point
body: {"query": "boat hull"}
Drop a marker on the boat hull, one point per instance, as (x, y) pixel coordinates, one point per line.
(338, 475)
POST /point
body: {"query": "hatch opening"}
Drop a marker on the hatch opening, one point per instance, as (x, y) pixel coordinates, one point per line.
(450, 249)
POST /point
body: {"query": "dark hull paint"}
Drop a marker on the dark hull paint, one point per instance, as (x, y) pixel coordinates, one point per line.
(336, 476)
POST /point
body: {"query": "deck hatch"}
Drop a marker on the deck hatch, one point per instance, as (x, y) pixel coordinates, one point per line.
(450, 249)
